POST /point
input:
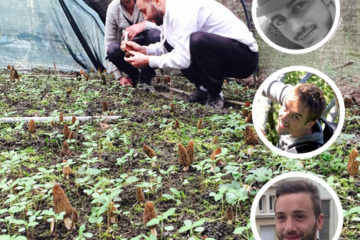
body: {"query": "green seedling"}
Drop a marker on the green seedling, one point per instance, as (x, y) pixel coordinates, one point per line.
(160, 220)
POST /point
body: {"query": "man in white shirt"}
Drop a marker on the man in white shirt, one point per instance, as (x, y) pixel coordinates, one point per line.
(202, 38)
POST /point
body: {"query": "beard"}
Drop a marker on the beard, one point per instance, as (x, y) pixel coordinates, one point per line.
(308, 236)
(158, 16)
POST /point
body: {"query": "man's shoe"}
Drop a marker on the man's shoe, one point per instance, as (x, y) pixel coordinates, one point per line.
(215, 102)
(198, 96)
(147, 88)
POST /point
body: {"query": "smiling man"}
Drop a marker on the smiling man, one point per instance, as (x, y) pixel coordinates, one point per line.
(298, 211)
(302, 22)
(202, 38)
(299, 116)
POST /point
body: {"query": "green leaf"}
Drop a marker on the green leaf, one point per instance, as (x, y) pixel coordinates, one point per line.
(169, 228)
(239, 230)
(168, 213)
(199, 223)
(131, 180)
(199, 229)
(152, 222)
(175, 191)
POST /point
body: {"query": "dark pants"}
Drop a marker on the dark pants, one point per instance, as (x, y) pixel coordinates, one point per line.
(116, 56)
(214, 57)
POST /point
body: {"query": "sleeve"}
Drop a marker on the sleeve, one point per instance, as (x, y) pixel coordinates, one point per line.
(276, 91)
(180, 28)
(111, 29)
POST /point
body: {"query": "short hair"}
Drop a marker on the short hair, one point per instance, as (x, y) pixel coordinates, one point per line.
(301, 186)
(313, 98)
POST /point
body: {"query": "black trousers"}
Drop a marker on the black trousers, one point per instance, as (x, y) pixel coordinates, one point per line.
(116, 56)
(214, 57)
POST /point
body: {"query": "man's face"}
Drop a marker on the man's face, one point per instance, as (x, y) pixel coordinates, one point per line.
(293, 117)
(304, 22)
(295, 218)
(151, 12)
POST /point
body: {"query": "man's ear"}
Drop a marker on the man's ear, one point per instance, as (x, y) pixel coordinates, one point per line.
(320, 222)
(310, 124)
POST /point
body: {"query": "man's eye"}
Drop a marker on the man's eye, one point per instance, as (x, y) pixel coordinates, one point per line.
(300, 217)
(280, 218)
(280, 20)
(298, 7)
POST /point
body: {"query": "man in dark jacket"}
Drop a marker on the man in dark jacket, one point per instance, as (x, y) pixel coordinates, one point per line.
(298, 123)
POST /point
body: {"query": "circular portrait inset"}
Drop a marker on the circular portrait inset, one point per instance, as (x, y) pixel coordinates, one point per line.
(296, 26)
(296, 205)
(299, 112)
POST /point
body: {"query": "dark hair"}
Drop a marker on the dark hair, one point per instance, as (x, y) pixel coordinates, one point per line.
(312, 96)
(301, 186)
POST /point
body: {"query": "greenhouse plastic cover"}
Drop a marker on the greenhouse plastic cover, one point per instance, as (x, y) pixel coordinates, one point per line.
(39, 33)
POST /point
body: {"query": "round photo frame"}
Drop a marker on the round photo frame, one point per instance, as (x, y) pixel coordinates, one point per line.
(257, 105)
(297, 175)
(267, 40)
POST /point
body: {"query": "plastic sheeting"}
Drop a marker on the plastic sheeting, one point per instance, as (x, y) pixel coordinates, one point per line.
(39, 33)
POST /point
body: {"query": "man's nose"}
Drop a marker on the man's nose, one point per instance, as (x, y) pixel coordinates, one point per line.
(290, 225)
(297, 26)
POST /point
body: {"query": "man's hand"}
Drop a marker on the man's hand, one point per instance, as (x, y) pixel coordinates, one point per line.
(135, 29)
(137, 59)
(127, 46)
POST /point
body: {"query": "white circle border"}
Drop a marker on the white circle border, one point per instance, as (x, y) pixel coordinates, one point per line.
(341, 114)
(296, 51)
(297, 175)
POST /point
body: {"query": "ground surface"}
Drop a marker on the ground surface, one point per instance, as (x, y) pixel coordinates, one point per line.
(109, 163)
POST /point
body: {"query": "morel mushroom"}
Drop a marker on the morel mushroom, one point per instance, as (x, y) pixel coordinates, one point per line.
(32, 127)
(245, 112)
(149, 152)
(199, 123)
(62, 204)
(149, 213)
(353, 164)
(140, 195)
(229, 215)
(250, 137)
(190, 151)
(66, 131)
(184, 159)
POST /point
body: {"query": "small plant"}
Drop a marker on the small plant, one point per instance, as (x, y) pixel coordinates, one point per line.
(191, 227)
(353, 164)
(82, 235)
(160, 219)
(149, 213)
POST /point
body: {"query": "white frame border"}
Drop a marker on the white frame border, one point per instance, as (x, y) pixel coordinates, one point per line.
(330, 34)
(341, 113)
(307, 176)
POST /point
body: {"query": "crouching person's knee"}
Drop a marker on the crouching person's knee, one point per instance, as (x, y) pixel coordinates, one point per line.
(114, 51)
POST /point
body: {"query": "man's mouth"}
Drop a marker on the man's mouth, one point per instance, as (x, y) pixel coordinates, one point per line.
(306, 34)
(291, 238)
(282, 124)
